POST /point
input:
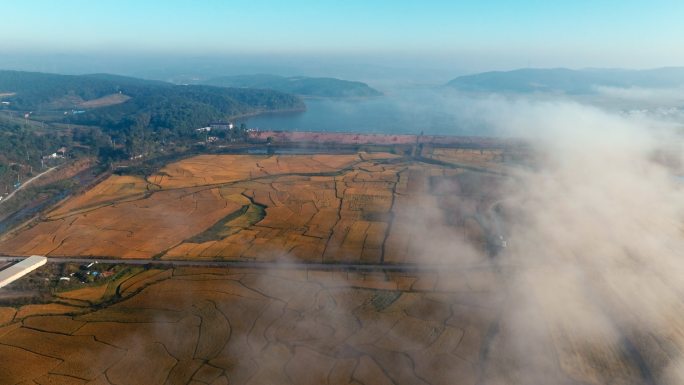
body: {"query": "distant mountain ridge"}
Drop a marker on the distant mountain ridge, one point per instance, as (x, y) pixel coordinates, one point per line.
(562, 80)
(298, 85)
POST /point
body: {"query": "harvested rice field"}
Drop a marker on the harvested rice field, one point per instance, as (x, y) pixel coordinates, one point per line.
(242, 326)
(354, 208)
(399, 281)
(280, 326)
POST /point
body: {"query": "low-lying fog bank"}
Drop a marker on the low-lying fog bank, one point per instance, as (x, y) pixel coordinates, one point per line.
(596, 238)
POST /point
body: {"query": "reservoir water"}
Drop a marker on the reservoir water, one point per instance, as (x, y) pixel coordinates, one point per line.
(409, 111)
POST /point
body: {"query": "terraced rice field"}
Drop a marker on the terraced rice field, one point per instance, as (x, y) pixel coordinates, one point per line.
(358, 208)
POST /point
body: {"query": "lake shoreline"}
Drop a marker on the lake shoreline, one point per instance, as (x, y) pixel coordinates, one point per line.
(266, 113)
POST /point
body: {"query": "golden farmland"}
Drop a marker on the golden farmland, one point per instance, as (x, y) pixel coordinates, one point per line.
(406, 288)
(356, 208)
(243, 326)
(282, 326)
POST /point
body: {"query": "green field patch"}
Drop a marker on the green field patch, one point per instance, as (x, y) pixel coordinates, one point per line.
(232, 223)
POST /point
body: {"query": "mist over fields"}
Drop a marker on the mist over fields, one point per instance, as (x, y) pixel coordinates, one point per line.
(594, 224)
(596, 237)
(595, 231)
(593, 221)
(342, 192)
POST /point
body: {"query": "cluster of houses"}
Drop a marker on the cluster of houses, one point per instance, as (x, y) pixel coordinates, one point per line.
(87, 273)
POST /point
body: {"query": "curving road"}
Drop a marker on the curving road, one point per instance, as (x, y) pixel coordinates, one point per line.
(26, 184)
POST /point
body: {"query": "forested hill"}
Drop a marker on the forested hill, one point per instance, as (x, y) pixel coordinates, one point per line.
(37, 91)
(561, 80)
(112, 118)
(298, 85)
(112, 101)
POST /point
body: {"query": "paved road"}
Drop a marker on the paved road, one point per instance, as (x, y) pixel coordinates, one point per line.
(26, 184)
(269, 265)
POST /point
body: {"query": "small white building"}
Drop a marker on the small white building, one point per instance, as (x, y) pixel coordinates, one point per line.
(221, 126)
(20, 269)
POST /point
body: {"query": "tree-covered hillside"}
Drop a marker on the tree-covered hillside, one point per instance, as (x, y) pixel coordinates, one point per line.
(40, 91)
(187, 107)
(165, 105)
(113, 118)
(298, 85)
(561, 80)
(21, 150)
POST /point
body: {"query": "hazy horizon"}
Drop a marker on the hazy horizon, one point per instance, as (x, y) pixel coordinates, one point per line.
(179, 68)
(424, 42)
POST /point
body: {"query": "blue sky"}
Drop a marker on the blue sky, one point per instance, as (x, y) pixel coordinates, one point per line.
(579, 32)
